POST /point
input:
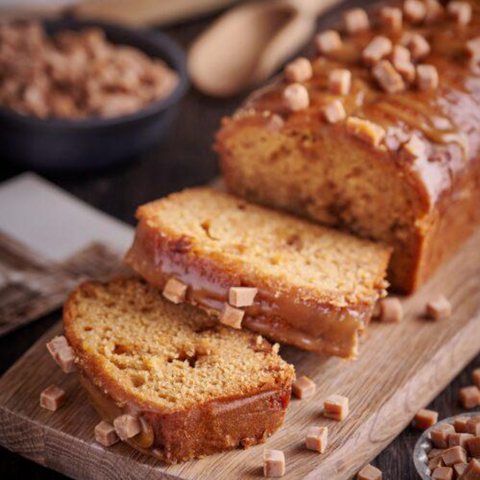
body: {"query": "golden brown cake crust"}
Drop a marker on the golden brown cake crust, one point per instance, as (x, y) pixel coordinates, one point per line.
(428, 206)
(314, 315)
(183, 426)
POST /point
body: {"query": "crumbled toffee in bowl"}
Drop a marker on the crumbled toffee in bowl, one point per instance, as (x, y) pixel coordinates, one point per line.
(76, 74)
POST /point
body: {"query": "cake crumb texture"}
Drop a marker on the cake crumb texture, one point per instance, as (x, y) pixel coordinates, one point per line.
(273, 248)
(140, 348)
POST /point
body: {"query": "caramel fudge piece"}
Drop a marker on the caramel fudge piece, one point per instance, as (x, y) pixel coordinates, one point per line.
(417, 44)
(365, 130)
(424, 419)
(442, 473)
(56, 344)
(336, 407)
(356, 21)
(175, 291)
(369, 472)
(415, 147)
(461, 12)
(469, 396)
(427, 77)
(52, 398)
(328, 42)
(402, 61)
(377, 49)
(461, 424)
(459, 469)
(62, 353)
(66, 360)
(316, 439)
(316, 286)
(340, 81)
(473, 426)
(391, 310)
(387, 77)
(473, 446)
(472, 472)
(303, 387)
(459, 439)
(105, 434)
(300, 70)
(439, 434)
(273, 463)
(232, 317)
(414, 10)
(439, 308)
(392, 18)
(435, 11)
(435, 452)
(334, 111)
(454, 455)
(127, 426)
(435, 462)
(242, 296)
(296, 97)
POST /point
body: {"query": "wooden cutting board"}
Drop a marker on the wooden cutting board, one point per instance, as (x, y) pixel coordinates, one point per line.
(401, 368)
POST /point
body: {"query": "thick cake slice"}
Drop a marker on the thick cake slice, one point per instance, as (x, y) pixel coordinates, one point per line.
(300, 283)
(380, 136)
(195, 387)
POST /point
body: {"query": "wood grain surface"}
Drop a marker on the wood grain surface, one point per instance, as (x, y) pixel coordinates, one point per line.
(401, 368)
(184, 159)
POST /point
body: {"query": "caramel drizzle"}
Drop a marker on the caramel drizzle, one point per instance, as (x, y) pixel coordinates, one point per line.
(418, 118)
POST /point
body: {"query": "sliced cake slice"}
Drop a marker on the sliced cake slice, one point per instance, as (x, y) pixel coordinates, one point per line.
(173, 382)
(280, 276)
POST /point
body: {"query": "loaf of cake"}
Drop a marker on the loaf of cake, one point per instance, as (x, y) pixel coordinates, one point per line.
(293, 281)
(175, 384)
(378, 133)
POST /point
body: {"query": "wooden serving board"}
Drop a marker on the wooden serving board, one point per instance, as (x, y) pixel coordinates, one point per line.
(401, 368)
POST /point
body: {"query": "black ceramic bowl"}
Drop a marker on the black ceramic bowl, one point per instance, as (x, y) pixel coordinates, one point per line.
(94, 143)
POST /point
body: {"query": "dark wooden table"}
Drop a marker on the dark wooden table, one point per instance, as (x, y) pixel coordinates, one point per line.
(184, 159)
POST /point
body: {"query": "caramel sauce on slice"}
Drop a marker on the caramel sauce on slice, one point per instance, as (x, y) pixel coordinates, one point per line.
(146, 437)
(280, 315)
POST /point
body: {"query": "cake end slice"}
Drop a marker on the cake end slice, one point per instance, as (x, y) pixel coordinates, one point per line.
(174, 383)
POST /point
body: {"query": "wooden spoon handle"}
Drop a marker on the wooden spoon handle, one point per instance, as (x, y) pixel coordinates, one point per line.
(314, 7)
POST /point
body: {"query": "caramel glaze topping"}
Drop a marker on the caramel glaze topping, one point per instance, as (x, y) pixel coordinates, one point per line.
(150, 440)
(280, 316)
(446, 118)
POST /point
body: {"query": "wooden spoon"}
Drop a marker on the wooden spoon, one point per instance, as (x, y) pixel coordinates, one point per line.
(247, 44)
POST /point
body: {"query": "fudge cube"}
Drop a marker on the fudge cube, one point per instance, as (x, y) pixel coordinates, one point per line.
(303, 387)
(439, 434)
(469, 396)
(336, 407)
(52, 398)
(317, 438)
(369, 472)
(273, 463)
(454, 455)
(424, 419)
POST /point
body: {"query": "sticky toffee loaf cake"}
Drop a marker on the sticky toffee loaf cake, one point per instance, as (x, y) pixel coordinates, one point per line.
(173, 382)
(293, 281)
(378, 134)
